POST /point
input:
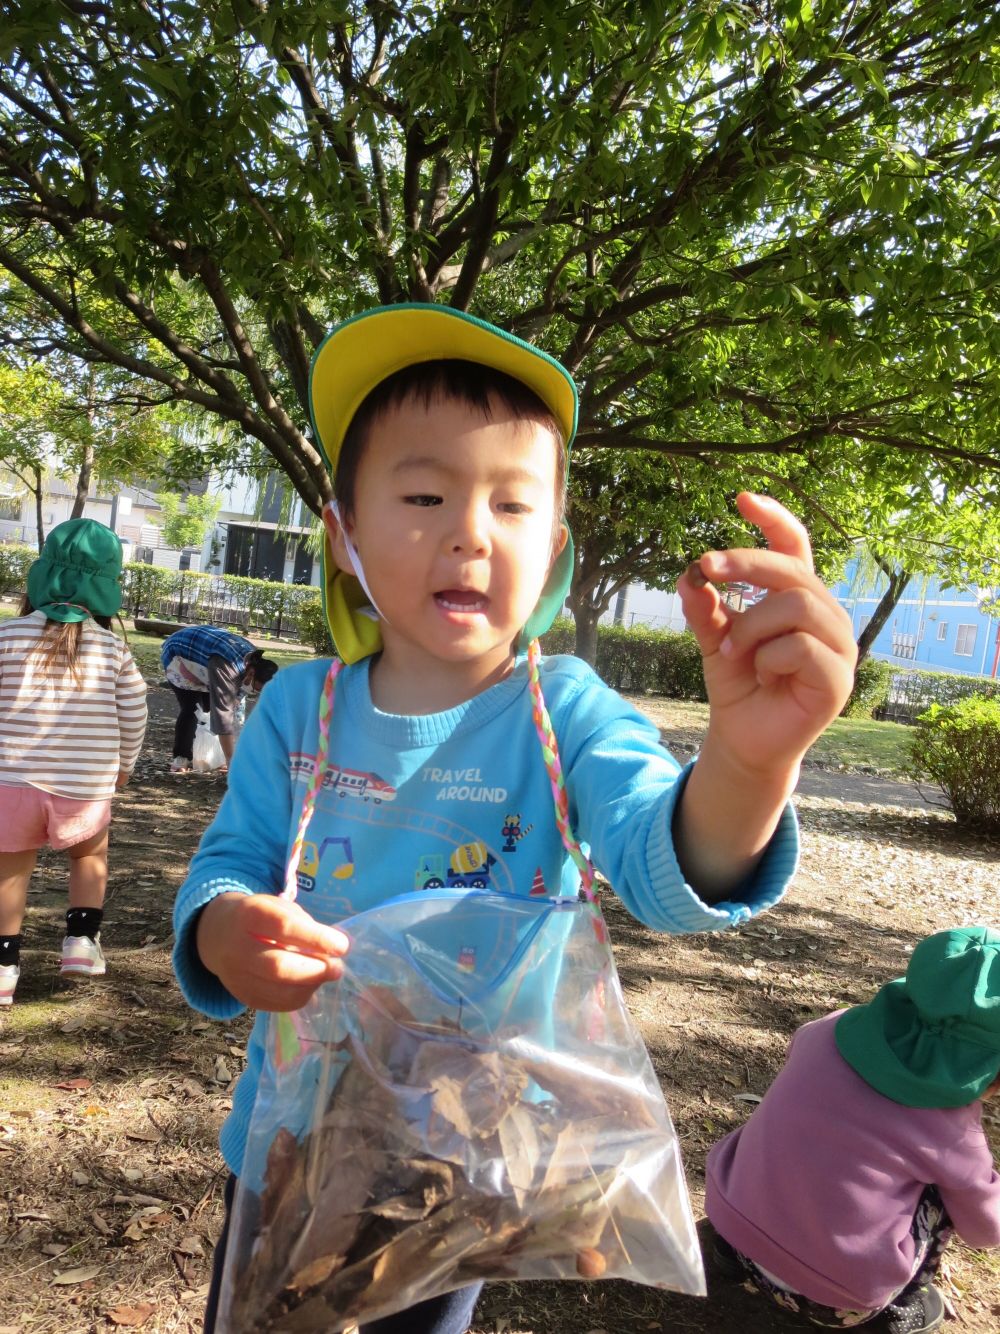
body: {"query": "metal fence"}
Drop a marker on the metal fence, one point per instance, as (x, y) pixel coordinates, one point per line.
(912, 692)
(254, 606)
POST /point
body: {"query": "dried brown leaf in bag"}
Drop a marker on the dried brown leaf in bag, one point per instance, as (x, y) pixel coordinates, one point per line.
(521, 1146)
(473, 1091)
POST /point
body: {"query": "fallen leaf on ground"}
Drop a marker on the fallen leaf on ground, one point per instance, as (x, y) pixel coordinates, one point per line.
(131, 1315)
(82, 1275)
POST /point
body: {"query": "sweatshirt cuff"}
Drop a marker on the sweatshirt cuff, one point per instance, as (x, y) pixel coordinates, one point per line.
(201, 988)
(680, 904)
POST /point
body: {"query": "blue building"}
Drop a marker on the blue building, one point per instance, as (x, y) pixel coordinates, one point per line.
(939, 629)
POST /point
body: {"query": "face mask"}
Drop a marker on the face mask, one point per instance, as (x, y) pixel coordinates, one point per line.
(352, 555)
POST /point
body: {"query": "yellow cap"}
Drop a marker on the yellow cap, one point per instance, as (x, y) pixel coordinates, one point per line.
(362, 352)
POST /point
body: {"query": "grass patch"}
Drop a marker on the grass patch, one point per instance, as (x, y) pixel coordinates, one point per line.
(862, 743)
(849, 743)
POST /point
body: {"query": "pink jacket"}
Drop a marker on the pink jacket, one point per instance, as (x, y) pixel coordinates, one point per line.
(821, 1184)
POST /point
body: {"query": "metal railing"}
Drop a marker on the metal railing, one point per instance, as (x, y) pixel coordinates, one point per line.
(251, 606)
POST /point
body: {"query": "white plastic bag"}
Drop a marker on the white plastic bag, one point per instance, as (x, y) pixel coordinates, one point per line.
(207, 750)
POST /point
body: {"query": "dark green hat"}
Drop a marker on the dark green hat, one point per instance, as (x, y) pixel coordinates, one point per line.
(78, 573)
(932, 1038)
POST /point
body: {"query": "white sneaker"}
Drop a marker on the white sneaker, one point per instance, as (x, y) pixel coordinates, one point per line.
(180, 765)
(9, 974)
(80, 954)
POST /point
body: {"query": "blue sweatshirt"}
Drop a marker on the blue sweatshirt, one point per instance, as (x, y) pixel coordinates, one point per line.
(459, 799)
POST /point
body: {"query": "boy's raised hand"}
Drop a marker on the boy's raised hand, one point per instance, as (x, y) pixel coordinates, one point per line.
(266, 951)
(780, 672)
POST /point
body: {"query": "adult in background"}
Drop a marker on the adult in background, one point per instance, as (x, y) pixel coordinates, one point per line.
(210, 668)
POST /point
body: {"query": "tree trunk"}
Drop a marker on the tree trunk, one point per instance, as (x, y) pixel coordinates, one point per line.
(586, 618)
(83, 482)
(87, 462)
(37, 489)
(898, 579)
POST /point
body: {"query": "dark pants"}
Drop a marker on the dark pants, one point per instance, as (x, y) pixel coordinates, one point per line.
(187, 723)
(931, 1230)
(450, 1314)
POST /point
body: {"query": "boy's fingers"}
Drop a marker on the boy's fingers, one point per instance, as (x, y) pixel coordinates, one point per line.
(797, 609)
(285, 968)
(263, 994)
(764, 568)
(291, 928)
(783, 531)
(812, 663)
(707, 616)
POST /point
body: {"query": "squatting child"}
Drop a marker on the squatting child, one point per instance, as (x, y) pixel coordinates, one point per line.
(72, 719)
(839, 1194)
(447, 554)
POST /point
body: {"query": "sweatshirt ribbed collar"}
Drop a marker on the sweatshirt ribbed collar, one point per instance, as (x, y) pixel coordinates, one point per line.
(406, 731)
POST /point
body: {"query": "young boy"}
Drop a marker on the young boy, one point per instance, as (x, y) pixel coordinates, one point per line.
(838, 1196)
(446, 554)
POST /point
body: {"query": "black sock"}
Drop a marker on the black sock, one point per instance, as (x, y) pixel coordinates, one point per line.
(10, 950)
(84, 922)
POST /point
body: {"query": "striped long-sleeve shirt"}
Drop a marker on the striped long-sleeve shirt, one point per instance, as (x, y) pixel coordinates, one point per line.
(68, 734)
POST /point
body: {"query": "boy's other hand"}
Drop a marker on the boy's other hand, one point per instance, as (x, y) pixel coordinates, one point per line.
(778, 673)
(123, 776)
(267, 952)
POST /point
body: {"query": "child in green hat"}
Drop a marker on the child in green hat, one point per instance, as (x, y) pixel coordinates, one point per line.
(72, 720)
(839, 1194)
(447, 554)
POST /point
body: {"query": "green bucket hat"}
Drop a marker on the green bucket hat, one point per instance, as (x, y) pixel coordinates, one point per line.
(78, 573)
(932, 1038)
(362, 352)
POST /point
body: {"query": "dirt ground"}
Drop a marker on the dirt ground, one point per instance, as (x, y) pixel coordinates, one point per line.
(112, 1091)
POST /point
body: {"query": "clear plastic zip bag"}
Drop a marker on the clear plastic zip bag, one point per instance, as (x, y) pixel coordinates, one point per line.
(470, 1101)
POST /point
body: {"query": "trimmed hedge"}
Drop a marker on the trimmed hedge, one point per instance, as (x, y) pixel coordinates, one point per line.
(871, 689)
(638, 660)
(957, 746)
(222, 599)
(15, 558)
(313, 629)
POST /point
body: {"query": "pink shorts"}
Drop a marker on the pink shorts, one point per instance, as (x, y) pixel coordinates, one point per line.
(31, 818)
